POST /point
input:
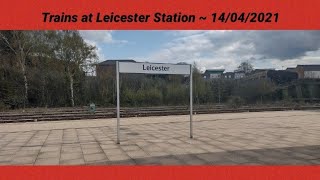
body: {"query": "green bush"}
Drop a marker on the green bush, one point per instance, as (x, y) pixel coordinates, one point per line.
(235, 101)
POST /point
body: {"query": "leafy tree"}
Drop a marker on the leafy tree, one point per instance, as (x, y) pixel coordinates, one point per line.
(254, 90)
(76, 55)
(199, 85)
(246, 67)
(21, 44)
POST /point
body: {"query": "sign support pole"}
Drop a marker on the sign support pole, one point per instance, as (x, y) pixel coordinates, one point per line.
(118, 103)
(152, 68)
(191, 103)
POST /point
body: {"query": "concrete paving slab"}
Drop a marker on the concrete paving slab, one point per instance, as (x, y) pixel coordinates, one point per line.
(47, 161)
(256, 138)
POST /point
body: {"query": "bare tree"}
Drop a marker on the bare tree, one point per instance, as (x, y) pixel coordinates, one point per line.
(21, 44)
(76, 54)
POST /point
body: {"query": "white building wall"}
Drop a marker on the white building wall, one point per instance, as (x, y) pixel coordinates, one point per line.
(312, 74)
(238, 75)
(214, 76)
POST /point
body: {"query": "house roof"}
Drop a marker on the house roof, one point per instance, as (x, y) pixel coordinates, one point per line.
(228, 73)
(267, 69)
(291, 68)
(315, 67)
(214, 71)
(113, 61)
(182, 63)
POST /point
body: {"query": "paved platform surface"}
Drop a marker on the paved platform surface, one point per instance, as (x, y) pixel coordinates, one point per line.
(256, 138)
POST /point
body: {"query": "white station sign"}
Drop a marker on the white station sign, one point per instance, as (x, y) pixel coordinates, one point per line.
(153, 68)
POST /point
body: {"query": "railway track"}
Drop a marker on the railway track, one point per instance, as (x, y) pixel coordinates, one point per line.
(56, 114)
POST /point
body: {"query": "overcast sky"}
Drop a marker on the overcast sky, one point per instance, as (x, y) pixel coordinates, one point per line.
(210, 49)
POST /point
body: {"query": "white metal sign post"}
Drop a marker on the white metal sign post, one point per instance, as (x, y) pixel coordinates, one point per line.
(191, 102)
(151, 68)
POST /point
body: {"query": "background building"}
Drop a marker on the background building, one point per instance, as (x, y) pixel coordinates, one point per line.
(108, 67)
(228, 75)
(213, 73)
(308, 71)
(239, 74)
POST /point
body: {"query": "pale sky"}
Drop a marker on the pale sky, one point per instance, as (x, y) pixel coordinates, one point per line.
(210, 49)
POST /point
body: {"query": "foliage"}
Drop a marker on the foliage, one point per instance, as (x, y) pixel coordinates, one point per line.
(245, 67)
(56, 64)
(235, 101)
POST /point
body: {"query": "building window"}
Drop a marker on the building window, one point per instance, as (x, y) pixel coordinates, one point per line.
(214, 75)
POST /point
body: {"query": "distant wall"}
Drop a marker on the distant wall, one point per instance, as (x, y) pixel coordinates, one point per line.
(312, 74)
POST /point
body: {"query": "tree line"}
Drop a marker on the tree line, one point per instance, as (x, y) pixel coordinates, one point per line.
(42, 68)
(50, 69)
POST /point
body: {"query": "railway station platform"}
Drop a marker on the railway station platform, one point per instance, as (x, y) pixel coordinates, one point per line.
(248, 138)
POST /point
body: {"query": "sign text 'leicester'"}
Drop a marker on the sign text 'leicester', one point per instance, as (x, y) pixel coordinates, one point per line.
(153, 68)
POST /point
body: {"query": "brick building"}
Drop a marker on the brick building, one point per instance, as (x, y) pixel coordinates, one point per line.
(108, 67)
